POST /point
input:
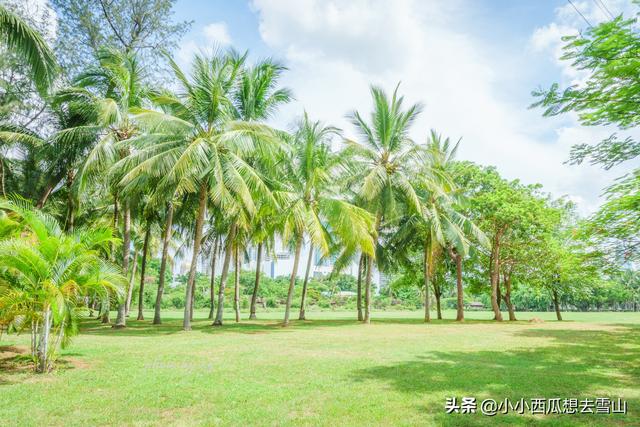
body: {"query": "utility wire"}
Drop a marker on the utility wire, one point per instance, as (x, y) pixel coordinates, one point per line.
(604, 8)
(580, 13)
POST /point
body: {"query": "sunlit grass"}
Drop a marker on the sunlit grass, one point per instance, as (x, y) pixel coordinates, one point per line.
(329, 370)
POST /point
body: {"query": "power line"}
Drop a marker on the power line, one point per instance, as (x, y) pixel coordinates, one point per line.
(604, 8)
(580, 13)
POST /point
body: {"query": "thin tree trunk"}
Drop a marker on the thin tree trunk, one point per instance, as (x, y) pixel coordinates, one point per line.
(292, 280)
(69, 222)
(157, 320)
(115, 226)
(507, 297)
(131, 284)
(304, 285)
(121, 321)
(228, 250)
(438, 307)
(359, 297)
(143, 266)
(556, 304)
(236, 286)
(256, 284)
(45, 196)
(457, 258)
(43, 345)
(188, 306)
(495, 276)
(367, 282)
(2, 177)
(212, 294)
(427, 280)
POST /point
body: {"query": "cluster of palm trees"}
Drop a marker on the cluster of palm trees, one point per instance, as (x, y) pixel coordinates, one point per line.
(199, 161)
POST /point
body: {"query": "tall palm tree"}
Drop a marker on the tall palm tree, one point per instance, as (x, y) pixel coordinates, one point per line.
(386, 157)
(440, 225)
(20, 38)
(200, 148)
(311, 205)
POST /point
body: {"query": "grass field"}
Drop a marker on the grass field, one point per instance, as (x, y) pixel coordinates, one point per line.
(329, 370)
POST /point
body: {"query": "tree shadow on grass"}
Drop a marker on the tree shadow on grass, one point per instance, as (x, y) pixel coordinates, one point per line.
(576, 364)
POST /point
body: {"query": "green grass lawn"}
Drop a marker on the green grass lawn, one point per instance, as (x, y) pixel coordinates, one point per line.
(329, 370)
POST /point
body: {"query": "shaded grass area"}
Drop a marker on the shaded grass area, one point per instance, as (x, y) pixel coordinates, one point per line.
(329, 370)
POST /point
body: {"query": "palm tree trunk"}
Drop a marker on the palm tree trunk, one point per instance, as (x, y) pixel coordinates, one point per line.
(256, 284)
(106, 319)
(69, 222)
(359, 297)
(223, 275)
(367, 282)
(292, 280)
(145, 248)
(459, 289)
(163, 263)
(2, 177)
(304, 285)
(43, 346)
(188, 306)
(556, 304)
(121, 321)
(426, 276)
(214, 255)
(236, 286)
(115, 225)
(131, 284)
(438, 295)
(45, 195)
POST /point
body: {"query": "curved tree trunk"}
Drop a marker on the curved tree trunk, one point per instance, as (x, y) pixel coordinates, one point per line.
(556, 304)
(256, 284)
(143, 266)
(427, 280)
(157, 320)
(292, 281)
(212, 286)
(121, 321)
(304, 285)
(359, 298)
(223, 275)
(69, 221)
(236, 285)
(507, 297)
(197, 240)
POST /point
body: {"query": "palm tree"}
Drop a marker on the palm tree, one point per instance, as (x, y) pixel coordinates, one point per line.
(20, 38)
(310, 204)
(386, 157)
(440, 225)
(199, 148)
(46, 275)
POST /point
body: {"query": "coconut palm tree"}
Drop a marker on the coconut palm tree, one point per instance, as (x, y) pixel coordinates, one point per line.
(46, 274)
(311, 205)
(20, 38)
(386, 158)
(200, 148)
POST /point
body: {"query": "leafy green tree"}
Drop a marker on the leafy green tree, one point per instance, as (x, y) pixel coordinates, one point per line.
(141, 27)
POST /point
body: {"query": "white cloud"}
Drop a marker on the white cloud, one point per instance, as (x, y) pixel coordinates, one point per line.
(217, 33)
(335, 49)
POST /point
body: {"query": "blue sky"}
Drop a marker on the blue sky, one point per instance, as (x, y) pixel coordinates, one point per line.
(472, 63)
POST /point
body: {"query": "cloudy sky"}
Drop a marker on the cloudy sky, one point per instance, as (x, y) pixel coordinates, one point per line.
(472, 63)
